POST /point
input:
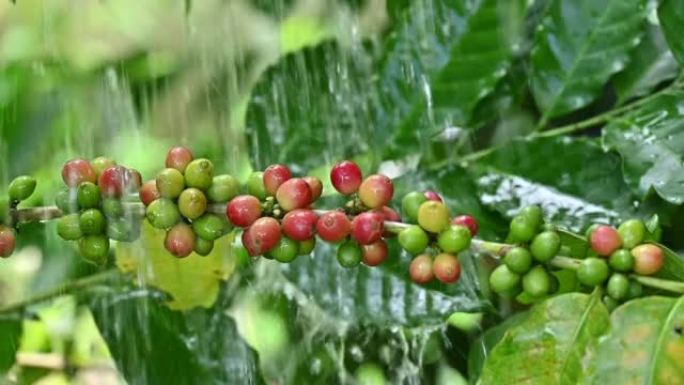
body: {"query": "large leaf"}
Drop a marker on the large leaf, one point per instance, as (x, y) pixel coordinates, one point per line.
(671, 15)
(10, 334)
(549, 346)
(651, 142)
(578, 47)
(645, 344)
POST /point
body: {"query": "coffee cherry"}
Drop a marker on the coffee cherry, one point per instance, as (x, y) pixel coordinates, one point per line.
(88, 195)
(413, 239)
(274, 176)
(467, 221)
(545, 246)
(255, 185)
(447, 268)
(293, 194)
(635, 290)
(376, 191)
(203, 246)
(432, 196)
(148, 192)
(286, 251)
(65, 200)
(170, 183)
(632, 232)
(21, 188)
(389, 214)
(521, 229)
(605, 240)
(132, 181)
(180, 240)
(433, 216)
(346, 177)
(162, 213)
(349, 254)
(69, 227)
(411, 203)
(7, 241)
(243, 210)
(101, 163)
(223, 188)
(300, 224)
(315, 185)
(77, 171)
(534, 214)
(92, 222)
(262, 236)
(123, 230)
(178, 158)
(518, 260)
(112, 208)
(420, 269)
(94, 248)
(192, 203)
(333, 226)
(199, 174)
(210, 227)
(114, 181)
(592, 271)
(454, 239)
(367, 228)
(537, 282)
(618, 286)
(306, 247)
(648, 259)
(590, 230)
(375, 253)
(621, 260)
(503, 280)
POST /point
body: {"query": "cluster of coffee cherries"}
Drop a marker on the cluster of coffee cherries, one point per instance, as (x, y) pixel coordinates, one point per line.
(20, 189)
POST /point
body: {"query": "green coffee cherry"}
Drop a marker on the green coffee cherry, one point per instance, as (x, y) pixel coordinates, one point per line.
(88, 195)
(170, 183)
(502, 280)
(635, 290)
(522, 229)
(223, 188)
(537, 282)
(122, 230)
(592, 271)
(518, 260)
(622, 260)
(92, 222)
(210, 227)
(454, 239)
(534, 214)
(192, 203)
(610, 303)
(101, 163)
(203, 246)
(21, 188)
(413, 239)
(286, 251)
(307, 246)
(618, 286)
(349, 254)
(69, 227)
(255, 185)
(632, 232)
(94, 248)
(65, 200)
(199, 174)
(410, 204)
(112, 208)
(545, 246)
(162, 213)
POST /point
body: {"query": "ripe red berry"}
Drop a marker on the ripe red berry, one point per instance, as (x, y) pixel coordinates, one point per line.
(346, 177)
(389, 214)
(367, 227)
(180, 240)
(300, 224)
(116, 180)
(333, 226)
(447, 268)
(376, 191)
(178, 158)
(293, 194)
(375, 253)
(7, 241)
(148, 192)
(77, 171)
(432, 196)
(467, 221)
(420, 269)
(274, 176)
(243, 210)
(648, 259)
(605, 240)
(315, 185)
(262, 236)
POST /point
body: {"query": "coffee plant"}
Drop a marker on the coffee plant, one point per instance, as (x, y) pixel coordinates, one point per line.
(437, 192)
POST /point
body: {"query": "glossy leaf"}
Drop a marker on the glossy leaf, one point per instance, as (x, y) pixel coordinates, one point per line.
(671, 16)
(550, 345)
(578, 47)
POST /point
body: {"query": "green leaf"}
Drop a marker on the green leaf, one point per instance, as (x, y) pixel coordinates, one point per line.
(671, 15)
(645, 344)
(549, 346)
(577, 244)
(651, 142)
(10, 334)
(578, 47)
(673, 267)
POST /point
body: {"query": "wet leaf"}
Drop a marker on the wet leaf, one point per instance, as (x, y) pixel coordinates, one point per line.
(644, 346)
(549, 346)
(671, 15)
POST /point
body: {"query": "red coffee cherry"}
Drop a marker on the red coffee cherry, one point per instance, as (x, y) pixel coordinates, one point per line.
(148, 192)
(346, 177)
(178, 158)
(274, 176)
(300, 224)
(389, 214)
(7, 241)
(315, 185)
(420, 270)
(180, 240)
(648, 259)
(333, 226)
(262, 236)
(605, 240)
(375, 253)
(432, 196)
(467, 221)
(243, 210)
(367, 227)
(376, 191)
(293, 194)
(116, 180)
(447, 268)
(77, 171)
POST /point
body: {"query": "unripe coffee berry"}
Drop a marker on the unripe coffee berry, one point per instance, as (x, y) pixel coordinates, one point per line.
(101, 163)
(180, 240)
(433, 216)
(413, 239)
(162, 213)
(77, 171)
(592, 271)
(537, 282)
(255, 185)
(632, 232)
(286, 251)
(92, 222)
(203, 246)
(621, 260)
(346, 177)
(223, 188)
(274, 176)
(503, 280)
(534, 214)
(192, 203)
(618, 286)
(420, 270)
(376, 191)
(112, 208)
(604, 240)
(178, 158)
(210, 227)
(69, 227)
(94, 248)
(447, 268)
(243, 210)
(21, 188)
(467, 221)
(367, 228)
(333, 226)
(148, 192)
(349, 254)
(315, 185)
(199, 174)
(432, 196)
(454, 239)
(545, 246)
(410, 204)
(306, 247)
(375, 253)
(522, 229)
(170, 183)
(8, 241)
(65, 200)
(293, 194)
(88, 195)
(300, 224)
(636, 290)
(648, 259)
(262, 236)
(518, 260)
